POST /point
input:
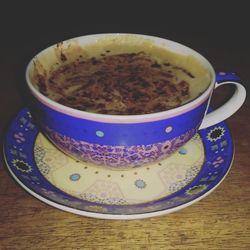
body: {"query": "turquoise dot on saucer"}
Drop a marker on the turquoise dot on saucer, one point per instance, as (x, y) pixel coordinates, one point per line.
(182, 151)
(75, 177)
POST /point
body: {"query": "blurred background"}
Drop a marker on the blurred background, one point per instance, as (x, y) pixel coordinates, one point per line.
(28, 27)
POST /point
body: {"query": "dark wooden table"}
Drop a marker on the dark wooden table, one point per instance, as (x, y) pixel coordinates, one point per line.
(220, 221)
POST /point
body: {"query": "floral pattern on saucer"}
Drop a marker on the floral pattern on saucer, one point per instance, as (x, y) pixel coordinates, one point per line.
(176, 182)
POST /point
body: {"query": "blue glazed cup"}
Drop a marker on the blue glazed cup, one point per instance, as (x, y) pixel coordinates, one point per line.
(127, 141)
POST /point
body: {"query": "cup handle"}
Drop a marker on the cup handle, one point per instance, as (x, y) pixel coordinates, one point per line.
(231, 106)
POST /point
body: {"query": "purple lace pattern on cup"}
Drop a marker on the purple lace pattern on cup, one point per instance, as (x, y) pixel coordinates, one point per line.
(118, 156)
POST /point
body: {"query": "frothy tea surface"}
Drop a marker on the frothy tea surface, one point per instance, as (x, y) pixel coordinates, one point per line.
(123, 82)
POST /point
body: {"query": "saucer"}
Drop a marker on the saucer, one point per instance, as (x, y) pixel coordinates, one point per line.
(185, 177)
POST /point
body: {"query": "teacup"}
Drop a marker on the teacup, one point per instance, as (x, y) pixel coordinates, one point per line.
(127, 141)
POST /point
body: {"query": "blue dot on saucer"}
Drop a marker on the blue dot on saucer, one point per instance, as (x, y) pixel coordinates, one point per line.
(75, 177)
(182, 151)
(99, 133)
(140, 184)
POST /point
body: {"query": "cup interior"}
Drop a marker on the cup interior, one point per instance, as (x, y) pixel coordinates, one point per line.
(67, 51)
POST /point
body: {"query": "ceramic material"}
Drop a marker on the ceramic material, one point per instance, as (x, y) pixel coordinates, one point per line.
(120, 142)
(187, 176)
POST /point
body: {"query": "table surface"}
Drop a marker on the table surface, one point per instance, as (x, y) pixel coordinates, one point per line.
(219, 221)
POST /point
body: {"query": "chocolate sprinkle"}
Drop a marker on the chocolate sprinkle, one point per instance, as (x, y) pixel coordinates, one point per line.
(125, 84)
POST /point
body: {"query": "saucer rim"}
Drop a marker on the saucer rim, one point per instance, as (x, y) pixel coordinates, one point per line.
(116, 216)
(113, 216)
